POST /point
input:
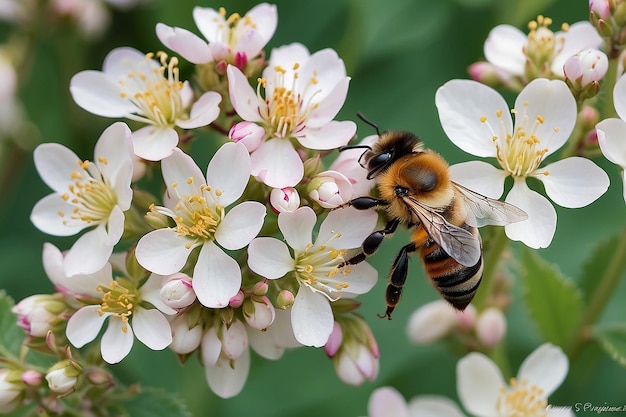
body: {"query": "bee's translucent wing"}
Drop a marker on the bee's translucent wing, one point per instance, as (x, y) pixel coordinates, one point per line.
(483, 210)
(457, 242)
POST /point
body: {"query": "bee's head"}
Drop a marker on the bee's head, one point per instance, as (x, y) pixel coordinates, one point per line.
(391, 146)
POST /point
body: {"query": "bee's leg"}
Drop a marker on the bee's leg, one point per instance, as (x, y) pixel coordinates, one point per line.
(363, 203)
(371, 243)
(397, 277)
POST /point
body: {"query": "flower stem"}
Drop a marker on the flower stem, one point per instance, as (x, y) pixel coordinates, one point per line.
(491, 256)
(608, 83)
(600, 297)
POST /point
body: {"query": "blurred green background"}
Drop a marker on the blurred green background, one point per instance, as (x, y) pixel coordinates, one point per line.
(398, 52)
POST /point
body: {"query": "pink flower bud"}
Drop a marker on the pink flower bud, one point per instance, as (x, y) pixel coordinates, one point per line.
(586, 67)
(260, 288)
(185, 339)
(284, 199)
(177, 292)
(250, 134)
(431, 322)
(491, 326)
(237, 300)
(38, 313)
(355, 366)
(466, 319)
(32, 378)
(284, 299)
(330, 189)
(334, 341)
(259, 312)
(602, 8)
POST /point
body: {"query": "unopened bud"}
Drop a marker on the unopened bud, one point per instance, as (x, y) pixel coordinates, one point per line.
(11, 390)
(330, 189)
(185, 337)
(466, 319)
(234, 340)
(334, 341)
(284, 299)
(237, 300)
(431, 322)
(100, 377)
(177, 292)
(63, 376)
(284, 199)
(485, 73)
(32, 378)
(247, 133)
(260, 288)
(600, 8)
(491, 326)
(157, 220)
(259, 312)
(586, 67)
(39, 313)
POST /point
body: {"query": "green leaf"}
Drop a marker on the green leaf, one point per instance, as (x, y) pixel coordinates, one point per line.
(554, 301)
(613, 341)
(152, 402)
(11, 336)
(596, 265)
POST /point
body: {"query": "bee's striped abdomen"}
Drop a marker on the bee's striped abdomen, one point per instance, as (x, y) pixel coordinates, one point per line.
(456, 283)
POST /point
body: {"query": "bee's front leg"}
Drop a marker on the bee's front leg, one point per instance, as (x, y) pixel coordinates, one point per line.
(371, 243)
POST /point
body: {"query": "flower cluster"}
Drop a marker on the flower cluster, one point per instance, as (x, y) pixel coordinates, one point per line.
(255, 247)
(246, 255)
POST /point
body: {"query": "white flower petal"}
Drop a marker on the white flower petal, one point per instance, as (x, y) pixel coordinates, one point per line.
(151, 328)
(361, 279)
(269, 257)
(53, 263)
(264, 344)
(216, 277)
(480, 177)
(117, 340)
(113, 157)
(546, 367)
(332, 135)
(84, 325)
(150, 291)
(611, 134)
(387, 402)
(619, 97)
(177, 169)
(574, 182)
(227, 378)
(277, 164)
(234, 340)
(478, 384)
(351, 224)
(55, 164)
(433, 406)
(243, 97)
(462, 104)
(211, 347)
(328, 107)
(89, 253)
(504, 49)
(163, 251)
(184, 43)
(99, 94)
(229, 171)
(578, 37)
(45, 216)
(265, 18)
(538, 230)
(203, 112)
(154, 143)
(209, 22)
(297, 227)
(311, 318)
(240, 225)
(553, 102)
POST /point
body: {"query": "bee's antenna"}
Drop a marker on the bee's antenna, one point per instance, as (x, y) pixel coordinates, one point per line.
(369, 122)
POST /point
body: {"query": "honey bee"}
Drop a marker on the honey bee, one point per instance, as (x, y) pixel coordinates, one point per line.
(416, 190)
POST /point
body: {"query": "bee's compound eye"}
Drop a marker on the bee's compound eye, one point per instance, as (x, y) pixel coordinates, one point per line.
(428, 180)
(378, 161)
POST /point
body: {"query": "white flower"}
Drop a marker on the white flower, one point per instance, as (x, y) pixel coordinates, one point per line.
(135, 86)
(86, 195)
(198, 207)
(476, 119)
(303, 93)
(509, 50)
(116, 300)
(314, 265)
(235, 40)
(611, 132)
(484, 393)
(431, 322)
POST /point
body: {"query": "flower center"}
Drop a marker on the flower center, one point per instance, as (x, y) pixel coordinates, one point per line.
(229, 30)
(119, 299)
(521, 152)
(522, 399)
(316, 268)
(286, 111)
(93, 199)
(198, 215)
(155, 90)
